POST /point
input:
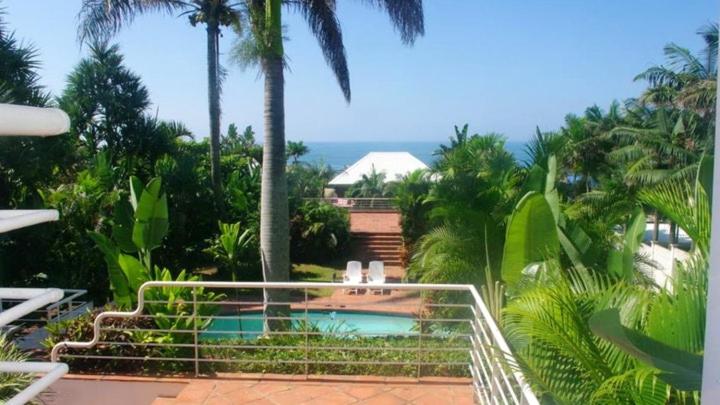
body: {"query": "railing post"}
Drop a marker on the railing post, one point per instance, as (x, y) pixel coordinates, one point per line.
(195, 331)
(307, 339)
(493, 370)
(420, 335)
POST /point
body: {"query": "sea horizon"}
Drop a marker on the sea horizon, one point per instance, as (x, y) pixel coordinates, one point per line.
(341, 154)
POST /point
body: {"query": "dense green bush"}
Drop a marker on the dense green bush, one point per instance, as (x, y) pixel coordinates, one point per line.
(266, 356)
(12, 383)
(318, 230)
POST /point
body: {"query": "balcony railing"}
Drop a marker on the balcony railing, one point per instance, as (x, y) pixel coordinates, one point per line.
(359, 204)
(307, 328)
(32, 299)
(70, 306)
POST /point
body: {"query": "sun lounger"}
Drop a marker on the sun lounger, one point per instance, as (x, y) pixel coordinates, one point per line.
(376, 275)
(353, 274)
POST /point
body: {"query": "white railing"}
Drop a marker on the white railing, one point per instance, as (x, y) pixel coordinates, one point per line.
(72, 305)
(359, 204)
(446, 331)
(33, 299)
(19, 120)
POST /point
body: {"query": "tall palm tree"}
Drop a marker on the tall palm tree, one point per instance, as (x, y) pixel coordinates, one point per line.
(100, 19)
(687, 81)
(267, 36)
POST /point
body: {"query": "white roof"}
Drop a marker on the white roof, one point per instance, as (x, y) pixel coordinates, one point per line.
(395, 165)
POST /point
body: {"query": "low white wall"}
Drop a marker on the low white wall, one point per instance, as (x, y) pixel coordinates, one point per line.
(663, 260)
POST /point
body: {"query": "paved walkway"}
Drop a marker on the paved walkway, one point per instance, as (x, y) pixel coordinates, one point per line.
(375, 222)
(342, 391)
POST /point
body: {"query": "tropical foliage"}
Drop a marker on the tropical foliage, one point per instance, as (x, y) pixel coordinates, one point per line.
(554, 243)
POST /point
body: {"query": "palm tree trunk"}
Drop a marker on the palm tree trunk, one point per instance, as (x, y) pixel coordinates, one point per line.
(274, 217)
(213, 35)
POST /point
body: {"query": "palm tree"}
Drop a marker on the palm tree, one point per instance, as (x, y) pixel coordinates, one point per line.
(19, 79)
(100, 19)
(587, 146)
(267, 48)
(295, 150)
(688, 81)
(371, 185)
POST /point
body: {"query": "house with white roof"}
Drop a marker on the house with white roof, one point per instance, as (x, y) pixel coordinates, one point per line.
(394, 165)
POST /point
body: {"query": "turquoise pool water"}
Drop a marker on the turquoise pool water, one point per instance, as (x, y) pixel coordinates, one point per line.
(250, 324)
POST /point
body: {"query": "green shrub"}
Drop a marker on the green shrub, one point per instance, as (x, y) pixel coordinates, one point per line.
(274, 354)
(12, 383)
(318, 231)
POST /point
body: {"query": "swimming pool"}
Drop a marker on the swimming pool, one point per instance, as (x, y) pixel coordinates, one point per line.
(249, 324)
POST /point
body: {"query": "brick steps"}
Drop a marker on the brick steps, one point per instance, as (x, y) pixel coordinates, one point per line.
(384, 246)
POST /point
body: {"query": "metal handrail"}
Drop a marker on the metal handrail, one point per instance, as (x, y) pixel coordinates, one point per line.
(359, 203)
(33, 299)
(491, 365)
(71, 305)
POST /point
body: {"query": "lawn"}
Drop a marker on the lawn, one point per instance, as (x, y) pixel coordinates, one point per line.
(316, 273)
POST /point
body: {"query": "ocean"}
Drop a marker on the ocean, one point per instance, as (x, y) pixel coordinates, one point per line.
(339, 155)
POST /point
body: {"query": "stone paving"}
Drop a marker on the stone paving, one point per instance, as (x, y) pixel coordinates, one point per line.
(344, 390)
(375, 222)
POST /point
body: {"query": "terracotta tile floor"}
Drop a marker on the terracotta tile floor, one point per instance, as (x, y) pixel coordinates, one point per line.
(282, 392)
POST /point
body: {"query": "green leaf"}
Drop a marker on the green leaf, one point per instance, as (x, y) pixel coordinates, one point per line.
(151, 217)
(681, 369)
(134, 271)
(136, 190)
(122, 229)
(634, 237)
(118, 282)
(531, 236)
(622, 262)
(705, 176)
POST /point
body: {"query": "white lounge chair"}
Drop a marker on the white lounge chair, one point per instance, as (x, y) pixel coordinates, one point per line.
(376, 275)
(353, 274)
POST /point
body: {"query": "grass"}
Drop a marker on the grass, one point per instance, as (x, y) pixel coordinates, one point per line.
(316, 273)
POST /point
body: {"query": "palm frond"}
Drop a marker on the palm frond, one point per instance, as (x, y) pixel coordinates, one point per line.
(323, 22)
(686, 206)
(682, 59)
(709, 33)
(407, 16)
(101, 19)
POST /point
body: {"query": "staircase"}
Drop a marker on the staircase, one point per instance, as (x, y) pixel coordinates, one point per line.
(384, 246)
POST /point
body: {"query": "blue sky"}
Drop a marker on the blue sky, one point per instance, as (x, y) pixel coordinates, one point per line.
(500, 65)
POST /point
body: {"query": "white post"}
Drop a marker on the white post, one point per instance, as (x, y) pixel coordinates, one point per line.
(711, 365)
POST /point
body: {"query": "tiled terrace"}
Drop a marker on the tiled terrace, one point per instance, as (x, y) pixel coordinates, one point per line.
(345, 390)
(258, 389)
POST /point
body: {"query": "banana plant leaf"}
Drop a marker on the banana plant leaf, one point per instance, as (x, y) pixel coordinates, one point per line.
(678, 368)
(151, 217)
(136, 190)
(622, 262)
(123, 223)
(118, 282)
(531, 236)
(134, 271)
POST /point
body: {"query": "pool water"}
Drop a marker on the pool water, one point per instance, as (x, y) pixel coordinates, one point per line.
(250, 324)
